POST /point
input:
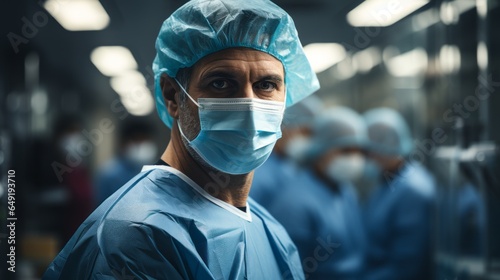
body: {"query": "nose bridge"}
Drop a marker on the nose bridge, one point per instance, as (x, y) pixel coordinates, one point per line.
(246, 90)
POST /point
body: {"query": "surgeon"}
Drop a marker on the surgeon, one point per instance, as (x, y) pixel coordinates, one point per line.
(285, 161)
(319, 207)
(398, 212)
(224, 73)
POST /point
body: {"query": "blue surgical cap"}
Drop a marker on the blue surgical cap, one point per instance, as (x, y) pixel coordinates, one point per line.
(388, 132)
(203, 27)
(336, 128)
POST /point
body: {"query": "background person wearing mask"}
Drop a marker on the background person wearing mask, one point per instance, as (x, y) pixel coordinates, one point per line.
(224, 72)
(319, 207)
(136, 148)
(282, 165)
(296, 126)
(398, 212)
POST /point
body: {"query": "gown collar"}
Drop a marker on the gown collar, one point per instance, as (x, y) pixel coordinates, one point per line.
(224, 205)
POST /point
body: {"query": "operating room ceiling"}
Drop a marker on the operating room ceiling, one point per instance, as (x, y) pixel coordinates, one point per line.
(65, 55)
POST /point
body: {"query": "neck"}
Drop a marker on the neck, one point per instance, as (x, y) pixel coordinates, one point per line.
(232, 189)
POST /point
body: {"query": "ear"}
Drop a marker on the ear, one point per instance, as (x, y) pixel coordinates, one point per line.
(170, 90)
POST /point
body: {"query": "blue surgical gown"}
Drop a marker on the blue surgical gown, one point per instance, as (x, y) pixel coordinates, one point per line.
(162, 225)
(325, 224)
(398, 223)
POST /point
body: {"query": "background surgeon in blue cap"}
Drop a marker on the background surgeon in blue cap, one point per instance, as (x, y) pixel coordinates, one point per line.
(225, 71)
(319, 207)
(398, 212)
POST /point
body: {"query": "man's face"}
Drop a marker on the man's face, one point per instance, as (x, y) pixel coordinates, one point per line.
(231, 73)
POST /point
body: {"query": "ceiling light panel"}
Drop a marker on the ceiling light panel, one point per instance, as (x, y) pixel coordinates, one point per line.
(78, 15)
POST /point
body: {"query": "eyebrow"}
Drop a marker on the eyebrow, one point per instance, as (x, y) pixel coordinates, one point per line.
(219, 74)
(229, 75)
(275, 78)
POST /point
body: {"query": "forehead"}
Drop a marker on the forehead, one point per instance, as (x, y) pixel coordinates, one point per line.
(243, 59)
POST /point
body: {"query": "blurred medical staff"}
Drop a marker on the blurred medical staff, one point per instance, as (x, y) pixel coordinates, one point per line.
(296, 128)
(136, 148)
(281, 166)
(398, 212)
(318, 206)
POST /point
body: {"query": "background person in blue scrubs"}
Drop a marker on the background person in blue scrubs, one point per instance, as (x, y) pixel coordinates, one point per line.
(224, 73)
(286, 159)
(136, 148)
(318, 206)
(398, 213)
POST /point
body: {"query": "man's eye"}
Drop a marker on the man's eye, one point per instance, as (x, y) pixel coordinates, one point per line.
(220, 84)
(267, 86)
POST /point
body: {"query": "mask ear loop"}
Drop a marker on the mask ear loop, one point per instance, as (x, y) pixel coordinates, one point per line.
(196, 103)
(182, 133)
(184, 90)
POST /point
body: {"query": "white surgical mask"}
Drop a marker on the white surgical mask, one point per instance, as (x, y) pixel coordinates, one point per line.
(236, 135)
(297, 147)
(346, 168)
